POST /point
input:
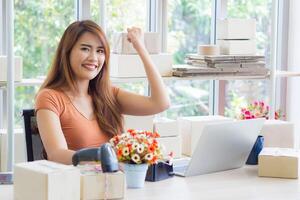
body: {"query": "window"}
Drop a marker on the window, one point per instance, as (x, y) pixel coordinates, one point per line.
(121, 14)
(38, 28)
(189, 24)
(240, 92)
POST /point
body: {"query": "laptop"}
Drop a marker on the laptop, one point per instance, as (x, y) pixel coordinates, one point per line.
(221, 146)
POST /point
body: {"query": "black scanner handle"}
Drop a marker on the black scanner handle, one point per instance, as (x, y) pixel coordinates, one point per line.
(86, 154)
(105, 154)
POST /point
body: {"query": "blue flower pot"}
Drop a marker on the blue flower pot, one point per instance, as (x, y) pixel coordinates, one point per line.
(135, 175)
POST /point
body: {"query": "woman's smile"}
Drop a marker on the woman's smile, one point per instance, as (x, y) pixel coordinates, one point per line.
(90, 66)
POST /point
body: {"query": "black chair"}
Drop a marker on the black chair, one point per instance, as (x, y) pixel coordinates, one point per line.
(34, 146)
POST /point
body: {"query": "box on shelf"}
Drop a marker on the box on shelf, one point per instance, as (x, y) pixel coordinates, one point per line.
(18, 73)
(99, 185)
(45, 180)
(278, 133)
(152, 42)
(131, 65)
(171, 144)
(190, 129)
(237, 47)
(278, 162)
(20, 148)
(165, 127)
(121, 45)
(144, 123)
(236, 29)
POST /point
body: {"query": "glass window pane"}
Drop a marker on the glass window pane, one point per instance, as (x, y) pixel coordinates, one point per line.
(242, 92)
(38, 28)
(188, 25)
(123, 14)
(24, 99)
(95, 11)
(188, 98)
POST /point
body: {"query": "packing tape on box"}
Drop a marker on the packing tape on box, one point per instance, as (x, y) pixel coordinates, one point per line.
(208, 50)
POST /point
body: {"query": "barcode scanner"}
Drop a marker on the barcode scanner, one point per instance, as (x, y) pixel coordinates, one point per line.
(105, 154)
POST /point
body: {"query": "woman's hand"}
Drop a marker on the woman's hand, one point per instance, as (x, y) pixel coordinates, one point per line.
(135, 36)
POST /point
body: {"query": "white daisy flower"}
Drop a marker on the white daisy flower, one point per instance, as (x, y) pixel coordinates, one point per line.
(135, 145)
(149, 156)
(135, 158)
(140, 149)
(125, 151)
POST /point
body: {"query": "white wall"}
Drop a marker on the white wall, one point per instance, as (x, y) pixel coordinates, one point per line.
(293, 84)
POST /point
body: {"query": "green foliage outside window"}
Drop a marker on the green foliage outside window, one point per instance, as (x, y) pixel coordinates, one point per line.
(38, 28)
(188, 25)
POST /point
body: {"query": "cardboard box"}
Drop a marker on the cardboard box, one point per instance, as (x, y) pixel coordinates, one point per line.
(278, 133)
(18, 73)
(45, 180)
(144, 123)
(237, 47)
(278, 162)
(152, 42)
(20, 148)
(171, 144)
(121, 45)
(190, 129)
(236, 29)
(166, 127)
(123, 66)
(99, 185)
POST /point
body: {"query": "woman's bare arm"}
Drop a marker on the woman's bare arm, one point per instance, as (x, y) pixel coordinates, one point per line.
(158, 101)
(53, 138)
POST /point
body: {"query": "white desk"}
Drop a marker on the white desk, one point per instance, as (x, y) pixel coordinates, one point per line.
(240, 184)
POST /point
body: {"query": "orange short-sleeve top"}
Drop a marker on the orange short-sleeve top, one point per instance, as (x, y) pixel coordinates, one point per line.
(79, 131)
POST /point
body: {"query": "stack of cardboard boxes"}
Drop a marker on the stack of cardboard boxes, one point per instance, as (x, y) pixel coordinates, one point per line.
(236, 36)
(279, 157)
(169, 136)
(124, 61)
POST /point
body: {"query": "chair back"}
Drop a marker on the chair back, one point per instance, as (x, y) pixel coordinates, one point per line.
(34, 146)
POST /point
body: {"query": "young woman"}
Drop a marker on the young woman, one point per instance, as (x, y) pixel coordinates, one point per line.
(77, 106)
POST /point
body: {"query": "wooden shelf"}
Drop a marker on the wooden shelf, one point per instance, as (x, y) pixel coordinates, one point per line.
(287, 74)
(38, 82)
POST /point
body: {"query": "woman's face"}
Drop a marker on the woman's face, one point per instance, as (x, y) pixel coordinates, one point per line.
(87, 57)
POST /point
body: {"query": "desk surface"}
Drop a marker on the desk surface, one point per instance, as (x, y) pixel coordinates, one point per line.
(240, 184)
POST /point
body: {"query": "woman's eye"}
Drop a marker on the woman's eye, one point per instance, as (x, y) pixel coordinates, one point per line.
(85, 49)
(101, 51)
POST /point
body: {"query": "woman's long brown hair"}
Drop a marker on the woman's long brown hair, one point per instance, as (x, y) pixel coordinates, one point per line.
(106, 107)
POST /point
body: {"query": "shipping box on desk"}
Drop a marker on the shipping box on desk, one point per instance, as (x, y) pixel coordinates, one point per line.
(278, 162)
(45, 180)
(98, 185)
(166, 127)
(278, 133)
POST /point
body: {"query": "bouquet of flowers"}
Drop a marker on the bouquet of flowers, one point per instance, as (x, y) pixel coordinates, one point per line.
(257, 109)
(136, 147)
